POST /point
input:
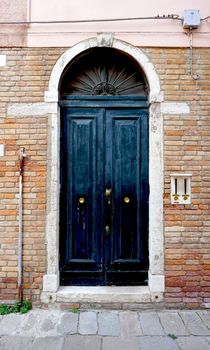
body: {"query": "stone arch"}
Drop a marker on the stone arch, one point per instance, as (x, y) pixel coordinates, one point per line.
(143, 61)
(156, 240)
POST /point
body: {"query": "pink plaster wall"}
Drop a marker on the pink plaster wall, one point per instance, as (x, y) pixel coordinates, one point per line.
(13, 10)
(85, 9)
(141, 33)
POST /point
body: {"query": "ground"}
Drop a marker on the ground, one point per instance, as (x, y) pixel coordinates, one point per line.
(106, 330)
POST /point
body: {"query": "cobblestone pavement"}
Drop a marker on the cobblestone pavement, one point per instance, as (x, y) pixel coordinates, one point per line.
(106, 330)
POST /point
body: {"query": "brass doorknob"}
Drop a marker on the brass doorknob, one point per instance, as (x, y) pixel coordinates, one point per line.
(108, 192)
(81, 200)
(107, 229)
(126, 200)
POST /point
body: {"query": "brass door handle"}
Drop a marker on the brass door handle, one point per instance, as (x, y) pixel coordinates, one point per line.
(107, 229)
(108, 193)
(108, 211)
(127, 200)
(81, 200)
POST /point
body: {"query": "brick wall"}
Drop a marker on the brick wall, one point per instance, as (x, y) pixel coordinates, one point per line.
(186, 149)
(24, 79)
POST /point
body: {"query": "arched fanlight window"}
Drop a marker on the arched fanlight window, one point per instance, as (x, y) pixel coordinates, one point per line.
(103, 72)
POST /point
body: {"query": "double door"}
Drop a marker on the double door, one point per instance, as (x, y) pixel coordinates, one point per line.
(104, 196)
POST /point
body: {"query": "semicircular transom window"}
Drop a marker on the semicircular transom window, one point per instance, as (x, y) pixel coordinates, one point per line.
(103, 72)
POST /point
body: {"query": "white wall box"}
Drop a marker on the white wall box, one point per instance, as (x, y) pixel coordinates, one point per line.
(191, 19)
(180, 188)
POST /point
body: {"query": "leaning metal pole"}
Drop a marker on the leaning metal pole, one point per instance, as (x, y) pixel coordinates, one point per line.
(20, 230)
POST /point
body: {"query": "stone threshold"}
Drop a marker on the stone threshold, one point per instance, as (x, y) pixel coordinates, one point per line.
(112, 294)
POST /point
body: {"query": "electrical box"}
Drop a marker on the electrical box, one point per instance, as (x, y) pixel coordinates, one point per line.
(181, 188)
(191, 19)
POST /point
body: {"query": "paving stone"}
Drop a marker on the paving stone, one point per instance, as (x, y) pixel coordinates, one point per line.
(68, 323)
(150, 323)
(50, 321)
(30, 324)
(79, 342)
(108, 324)
(193, 343)
(48, 343)
(88, 323)
(205, 316)
(16, 343)
(172, 323)
(10, 324)
(127, 343)
(194, 323)
(48, 324)
(129, 324)
(157, 343)
(41, 323)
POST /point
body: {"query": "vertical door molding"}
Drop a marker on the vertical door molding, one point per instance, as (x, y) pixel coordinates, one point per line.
(156, 234)
(156, 175)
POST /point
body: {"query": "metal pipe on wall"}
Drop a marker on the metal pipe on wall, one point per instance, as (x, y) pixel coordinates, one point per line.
(20, 224)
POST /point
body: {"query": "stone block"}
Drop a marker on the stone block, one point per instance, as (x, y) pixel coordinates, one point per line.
(10, 324)
(193, 343)
(175, 108)
(194, 323)
(68, 323)
(160, 343)
(122, 343)
(150, 323)
(1, 150)
(50, 283)
(3, 60)
(156, 283)
(46, 343)
(88, 322)
(172, 323)
(16, 343)
(78, 342)
(108, 324)
(129, 324)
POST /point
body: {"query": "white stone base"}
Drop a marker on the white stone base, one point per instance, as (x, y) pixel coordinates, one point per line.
(50, 283)
(106, 295)
(102, 294)
(156, 283)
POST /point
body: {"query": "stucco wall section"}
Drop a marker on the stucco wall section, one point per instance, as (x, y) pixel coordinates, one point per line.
(149, 32)
(13, 11)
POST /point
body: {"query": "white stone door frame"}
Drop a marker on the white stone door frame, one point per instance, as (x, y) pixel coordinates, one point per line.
(156, 281)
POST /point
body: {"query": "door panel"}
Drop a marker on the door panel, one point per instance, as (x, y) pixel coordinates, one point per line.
(82, 177)
(104, 196)
(126, 136)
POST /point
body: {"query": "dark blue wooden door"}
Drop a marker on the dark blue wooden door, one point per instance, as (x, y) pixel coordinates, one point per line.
(104, 196)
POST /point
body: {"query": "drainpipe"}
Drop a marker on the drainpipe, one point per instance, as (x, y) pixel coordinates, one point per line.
(20, 231)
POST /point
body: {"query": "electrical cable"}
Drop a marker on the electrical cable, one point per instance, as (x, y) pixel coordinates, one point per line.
(121, 32)
(203, 19)
(194, 76)
(170, 16)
